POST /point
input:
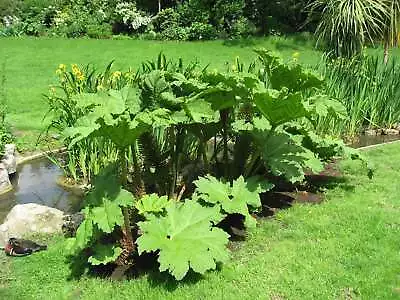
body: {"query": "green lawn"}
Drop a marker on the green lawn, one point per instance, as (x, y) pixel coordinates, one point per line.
(28, 65)
(345, 248)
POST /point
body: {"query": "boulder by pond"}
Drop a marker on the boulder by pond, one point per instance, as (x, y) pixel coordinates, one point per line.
(5, 184)
(9, 159)
(26, 219)
(8, 166)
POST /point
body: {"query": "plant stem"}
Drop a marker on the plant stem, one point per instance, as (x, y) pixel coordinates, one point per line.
(126, 231)
(224, 114)
(137, 176)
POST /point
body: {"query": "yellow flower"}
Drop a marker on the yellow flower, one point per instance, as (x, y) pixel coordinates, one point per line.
(77, 72)
(80, 76)
(75, 69)
(61, 69)
(116, 75)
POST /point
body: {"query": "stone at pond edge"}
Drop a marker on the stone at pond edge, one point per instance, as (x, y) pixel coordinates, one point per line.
(5, 184)
(391, 132)
(9, 159)
(27, 219)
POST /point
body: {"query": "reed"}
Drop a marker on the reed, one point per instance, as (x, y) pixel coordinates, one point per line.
(368, 88)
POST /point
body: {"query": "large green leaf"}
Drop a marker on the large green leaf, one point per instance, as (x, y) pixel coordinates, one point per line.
(108, 216)
(151, 204)
(293, 76)
(185, 238)
(200, 111)
(285, 157)
(84, 235)
(279, 107)
(233, 199)
(104, 254)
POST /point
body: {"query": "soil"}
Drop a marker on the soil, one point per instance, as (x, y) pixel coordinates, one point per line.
(310, 192)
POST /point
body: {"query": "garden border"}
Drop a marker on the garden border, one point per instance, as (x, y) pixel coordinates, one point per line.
(377, 145)
(24, 159)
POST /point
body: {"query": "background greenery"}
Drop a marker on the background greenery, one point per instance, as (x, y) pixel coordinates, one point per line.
(28, 79)
(170, 19)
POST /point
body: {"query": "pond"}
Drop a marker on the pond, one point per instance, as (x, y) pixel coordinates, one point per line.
(369, 140)
(36, 182)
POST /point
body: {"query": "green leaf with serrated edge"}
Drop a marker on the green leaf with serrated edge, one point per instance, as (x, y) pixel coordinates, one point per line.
(83, 128)
(104, 254)
(241, 197)
(200, 111)
(321, 106)
(279, 107)
(242, 125)
(185, 239)
(258, 184)
(233, 200)
(261, 123)
(293, 76)
(151, 204)
(213, 190)
(283, 156)
(108, 216)
(84, 235)
(124, 199)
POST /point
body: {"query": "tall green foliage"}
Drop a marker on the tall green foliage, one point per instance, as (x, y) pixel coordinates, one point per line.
(368, 90)
(176, 123)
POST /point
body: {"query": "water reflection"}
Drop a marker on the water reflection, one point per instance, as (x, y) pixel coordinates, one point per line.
(36, 182)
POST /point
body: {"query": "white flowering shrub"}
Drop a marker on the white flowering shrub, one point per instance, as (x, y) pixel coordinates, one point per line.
(9, 21)
(131, 16)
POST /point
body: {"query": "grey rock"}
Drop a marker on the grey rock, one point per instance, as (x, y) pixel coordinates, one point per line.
(391, 132)
(9, 159)
(5, 184)
(27, 219)
(371, 132)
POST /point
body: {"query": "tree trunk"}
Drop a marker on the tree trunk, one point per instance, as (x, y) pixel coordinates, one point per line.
(159, 5)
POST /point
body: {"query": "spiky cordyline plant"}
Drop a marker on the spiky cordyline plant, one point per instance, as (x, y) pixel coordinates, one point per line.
(346, 25)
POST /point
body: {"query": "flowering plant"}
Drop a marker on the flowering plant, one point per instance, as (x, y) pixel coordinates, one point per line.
(131, 16)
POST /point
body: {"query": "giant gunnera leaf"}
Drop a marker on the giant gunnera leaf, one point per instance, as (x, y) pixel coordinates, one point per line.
(235, 198)
(151, 204)
(185, 238)
(104, 254)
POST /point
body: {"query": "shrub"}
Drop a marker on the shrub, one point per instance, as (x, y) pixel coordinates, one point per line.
(243, 28)
(193, 11)
(165, 19)
(200, 31)
(99, 31)
(126, 13)
(175, 33)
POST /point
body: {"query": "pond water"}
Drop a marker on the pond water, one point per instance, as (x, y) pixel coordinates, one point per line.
(369, 140)
(36, 182)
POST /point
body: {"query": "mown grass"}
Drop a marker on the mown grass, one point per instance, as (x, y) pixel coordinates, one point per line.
(29, 65)
(345, 248)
